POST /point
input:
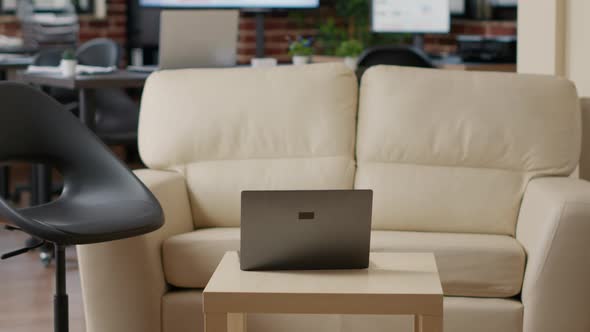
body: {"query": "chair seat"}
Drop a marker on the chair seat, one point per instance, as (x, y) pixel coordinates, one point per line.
(469, 264)
(71, 222)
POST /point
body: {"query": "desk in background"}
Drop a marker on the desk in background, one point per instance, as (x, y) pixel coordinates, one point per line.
(456, 63)
(10, 65)
(447, 63)
(86, 86)
(13, 59)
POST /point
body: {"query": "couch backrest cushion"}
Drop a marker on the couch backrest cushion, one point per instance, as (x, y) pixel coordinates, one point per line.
(453, 151)
(229, 130)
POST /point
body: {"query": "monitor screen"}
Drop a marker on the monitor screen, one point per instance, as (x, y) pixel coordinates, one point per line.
(230, 3)
(457, 7)
(412, 16)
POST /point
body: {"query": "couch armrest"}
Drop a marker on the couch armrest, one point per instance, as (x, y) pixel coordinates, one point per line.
(123, 281)
(585, 156)
(554, 228)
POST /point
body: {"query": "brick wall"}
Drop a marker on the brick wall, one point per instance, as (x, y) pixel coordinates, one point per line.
(114, 26)
(278, 27)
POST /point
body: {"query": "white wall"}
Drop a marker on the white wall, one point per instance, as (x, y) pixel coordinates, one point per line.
(554, 39)
(541, 42)
(577, 49)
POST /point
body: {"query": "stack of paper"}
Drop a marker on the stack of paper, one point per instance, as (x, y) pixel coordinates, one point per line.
(80, 70)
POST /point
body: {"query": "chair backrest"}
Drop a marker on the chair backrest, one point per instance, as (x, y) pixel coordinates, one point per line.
(101, 52)
(229, 130)
(453, 151)
(394, 55)
(48, 57)
(36, 128)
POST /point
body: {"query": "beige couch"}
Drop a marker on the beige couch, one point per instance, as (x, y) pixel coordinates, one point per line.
(471, 166)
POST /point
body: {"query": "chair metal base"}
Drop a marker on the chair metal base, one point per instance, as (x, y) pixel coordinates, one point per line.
(60, 299)
(4, 182)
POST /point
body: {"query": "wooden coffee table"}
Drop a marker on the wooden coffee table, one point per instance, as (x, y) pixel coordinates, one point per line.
(394, 284)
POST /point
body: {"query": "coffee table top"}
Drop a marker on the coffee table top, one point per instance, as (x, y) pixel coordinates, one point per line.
(394, 283)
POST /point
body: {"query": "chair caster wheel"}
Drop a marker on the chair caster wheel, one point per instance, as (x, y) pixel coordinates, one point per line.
(46, 258)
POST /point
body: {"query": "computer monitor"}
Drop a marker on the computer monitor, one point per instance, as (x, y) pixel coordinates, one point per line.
(198, 38)
(504, 3)
(457, 7)
(411, 16)
(230, 3)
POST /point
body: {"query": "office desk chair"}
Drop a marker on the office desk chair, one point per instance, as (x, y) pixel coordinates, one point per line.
(102, 52)
(4, 182)
(117, 115)
(101, 201)
(395, 56)
(51, 57)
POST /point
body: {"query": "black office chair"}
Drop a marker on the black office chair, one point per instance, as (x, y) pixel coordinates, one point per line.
(117, 115)
(395, 56)
(101, 52)
(51, 57)
(101, 201)
(48, 57)
(4, 182)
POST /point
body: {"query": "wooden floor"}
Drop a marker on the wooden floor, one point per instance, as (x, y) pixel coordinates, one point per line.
(26, 290)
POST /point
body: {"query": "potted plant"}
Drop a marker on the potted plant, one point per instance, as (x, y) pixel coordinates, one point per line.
(350, 50)
(301, 50)
(68, 63)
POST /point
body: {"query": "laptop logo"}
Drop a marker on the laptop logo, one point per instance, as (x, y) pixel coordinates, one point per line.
(306, 215)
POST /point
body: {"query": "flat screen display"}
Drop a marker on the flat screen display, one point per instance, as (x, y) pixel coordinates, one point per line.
(230, 3)
(411, 16)
(457, 7)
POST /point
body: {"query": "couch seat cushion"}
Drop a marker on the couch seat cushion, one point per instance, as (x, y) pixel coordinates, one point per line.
(469, 264)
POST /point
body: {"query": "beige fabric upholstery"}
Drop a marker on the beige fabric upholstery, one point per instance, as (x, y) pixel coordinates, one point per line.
(215, 186)
(235, 129)
(585, 156)
(469, 264)
(191, 258)
(183, 313)
(553, 227)
(123, 281)
(437, 147)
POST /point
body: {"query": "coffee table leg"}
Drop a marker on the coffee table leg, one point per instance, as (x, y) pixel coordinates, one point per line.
(236, 322)
(216, 322)
(428, 323)
(221, 322)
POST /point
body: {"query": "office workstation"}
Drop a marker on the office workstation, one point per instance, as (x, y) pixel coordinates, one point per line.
(294, 165)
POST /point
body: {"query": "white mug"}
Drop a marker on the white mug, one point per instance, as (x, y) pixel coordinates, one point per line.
(68, 67)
